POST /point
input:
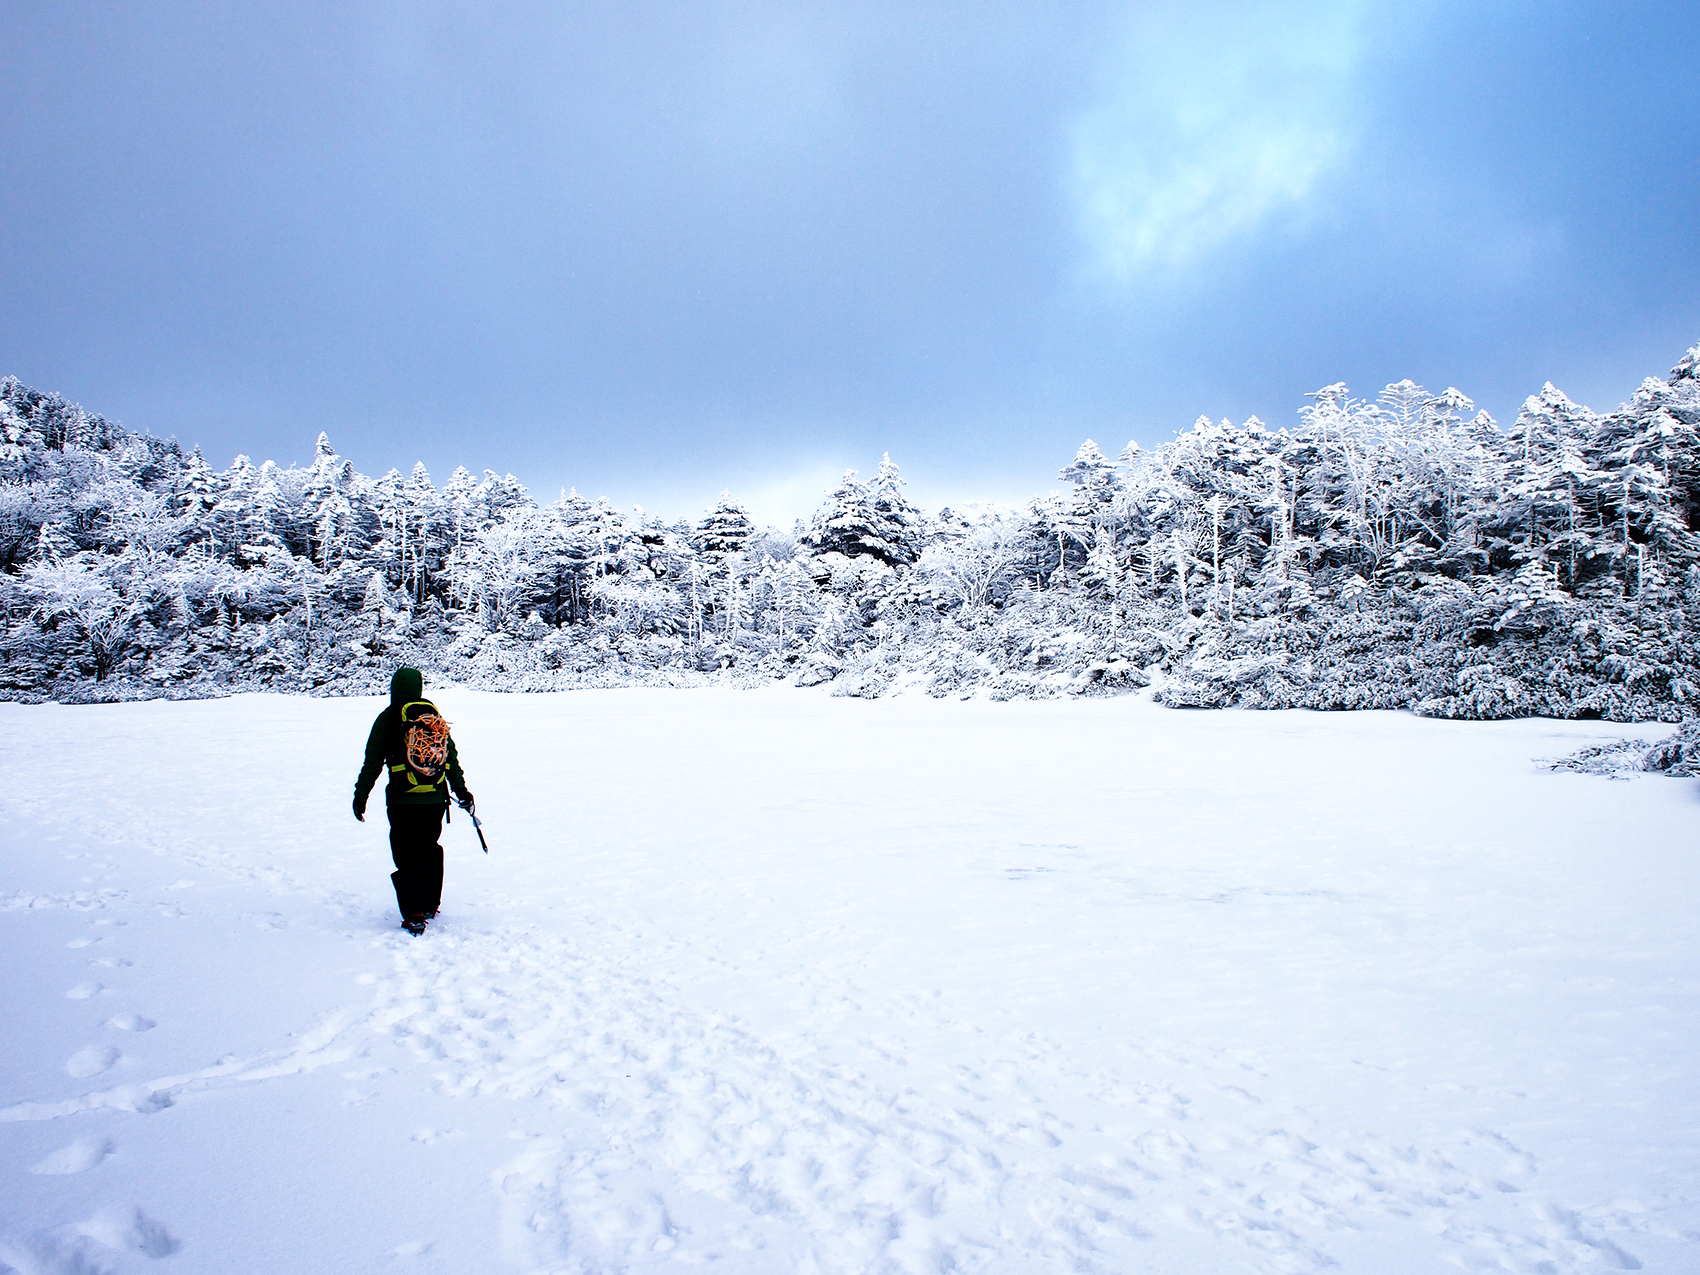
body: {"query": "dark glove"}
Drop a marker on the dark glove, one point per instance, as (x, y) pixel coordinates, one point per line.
(360, 810)
(466, 802)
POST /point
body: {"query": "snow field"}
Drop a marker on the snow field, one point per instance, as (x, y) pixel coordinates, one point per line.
(769, 981)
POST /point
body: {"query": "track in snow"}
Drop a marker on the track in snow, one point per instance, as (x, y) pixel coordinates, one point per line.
(1050, 996)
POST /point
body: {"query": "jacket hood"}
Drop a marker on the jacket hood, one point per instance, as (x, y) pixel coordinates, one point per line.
(407, 685)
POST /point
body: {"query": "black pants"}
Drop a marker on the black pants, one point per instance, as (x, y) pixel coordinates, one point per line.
(418, 874)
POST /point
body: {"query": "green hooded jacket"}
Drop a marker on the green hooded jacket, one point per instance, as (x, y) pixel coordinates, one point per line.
(385, 748)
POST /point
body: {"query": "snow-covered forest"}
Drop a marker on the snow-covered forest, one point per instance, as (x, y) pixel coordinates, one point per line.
(1400, 551)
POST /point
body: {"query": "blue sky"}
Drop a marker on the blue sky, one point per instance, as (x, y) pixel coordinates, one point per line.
(652, 251)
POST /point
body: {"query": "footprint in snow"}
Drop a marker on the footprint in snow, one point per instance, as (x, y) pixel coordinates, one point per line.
(135, 1232)
(131, 1023)
(81, 1156)
(91, 1061)
(82, 991)
(81, 942)
(413, 1248)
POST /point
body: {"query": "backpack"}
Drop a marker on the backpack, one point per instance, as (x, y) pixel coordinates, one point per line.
(425, 742)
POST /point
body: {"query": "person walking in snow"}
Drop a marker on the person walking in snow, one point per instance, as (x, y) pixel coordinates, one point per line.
(411, 739)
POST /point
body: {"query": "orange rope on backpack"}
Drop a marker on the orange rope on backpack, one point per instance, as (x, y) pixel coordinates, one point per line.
(428, 743)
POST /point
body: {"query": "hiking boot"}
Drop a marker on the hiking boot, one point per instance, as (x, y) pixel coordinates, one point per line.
(413, 924)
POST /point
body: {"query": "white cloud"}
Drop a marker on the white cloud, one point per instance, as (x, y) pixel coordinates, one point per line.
(1211, 121)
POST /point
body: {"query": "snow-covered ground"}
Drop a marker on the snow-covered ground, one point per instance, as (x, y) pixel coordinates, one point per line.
(774, 982)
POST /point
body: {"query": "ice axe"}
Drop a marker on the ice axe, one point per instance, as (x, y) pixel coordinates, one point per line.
(478, 828)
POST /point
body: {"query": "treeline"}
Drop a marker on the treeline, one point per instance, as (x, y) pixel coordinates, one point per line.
(1404, 551)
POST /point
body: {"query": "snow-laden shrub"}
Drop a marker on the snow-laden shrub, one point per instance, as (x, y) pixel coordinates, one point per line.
(816, 668)
(1677, 755)
(866, 676)
(1619, 759)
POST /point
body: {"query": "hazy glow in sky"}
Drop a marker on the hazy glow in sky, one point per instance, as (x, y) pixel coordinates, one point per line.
(656, 250)
(1214, 120)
